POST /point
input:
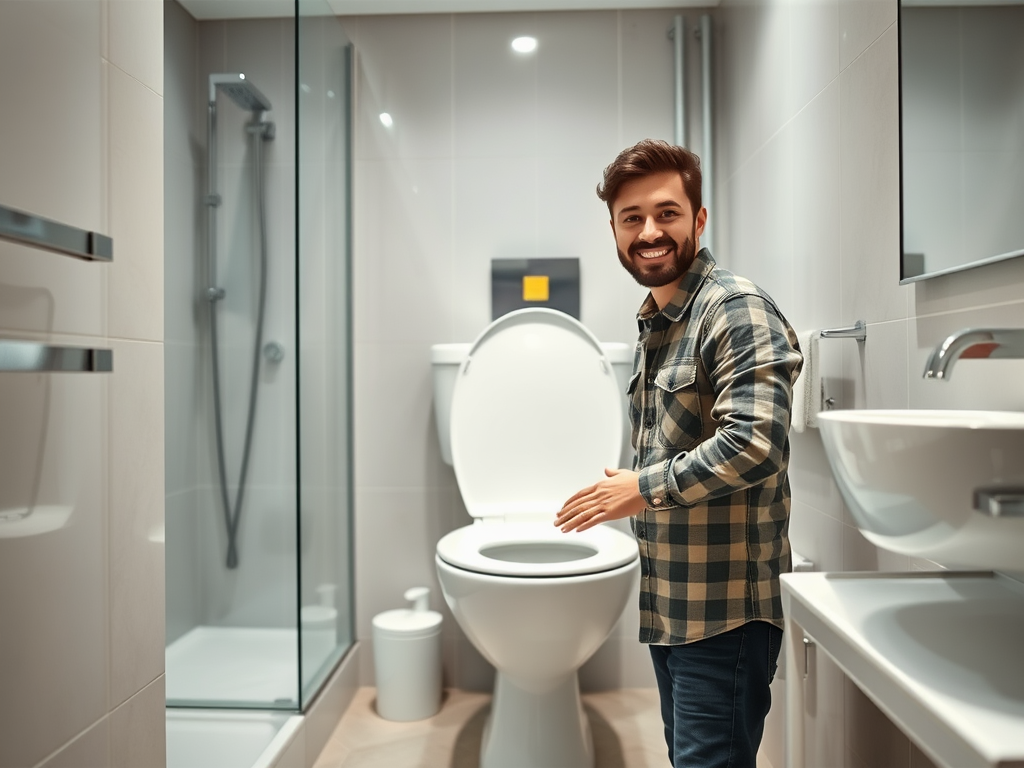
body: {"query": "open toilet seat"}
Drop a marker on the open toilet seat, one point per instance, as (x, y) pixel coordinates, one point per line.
(536, 415)
(536, 550)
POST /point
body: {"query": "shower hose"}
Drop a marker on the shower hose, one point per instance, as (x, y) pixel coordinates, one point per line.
(233, 512)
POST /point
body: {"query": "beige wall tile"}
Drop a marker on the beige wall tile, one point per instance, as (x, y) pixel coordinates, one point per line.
(869, 188)
(137, 734)
(58, 625)
(136, 209)
(136, 533)
(861, 22)
(817, 536)
(52, 119)
(135, 31)
(875, 373)
(89, 750)
(55, 613)
(976, 288)
(53, 160)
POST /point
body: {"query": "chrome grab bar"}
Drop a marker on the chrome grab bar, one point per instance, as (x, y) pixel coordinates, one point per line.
(999, 502)
(32, 357)
(858, 331)
(20, 227)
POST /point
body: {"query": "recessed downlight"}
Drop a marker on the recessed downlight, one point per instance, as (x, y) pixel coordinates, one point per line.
(524, 44)
(386, 120)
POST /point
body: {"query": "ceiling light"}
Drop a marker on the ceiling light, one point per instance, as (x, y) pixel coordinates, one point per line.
(524, 44)
(386, 120)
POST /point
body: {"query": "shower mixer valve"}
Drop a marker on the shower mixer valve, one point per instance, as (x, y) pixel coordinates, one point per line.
(273, 351)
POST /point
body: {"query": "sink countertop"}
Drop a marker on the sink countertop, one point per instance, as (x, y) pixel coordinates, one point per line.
(941, 653)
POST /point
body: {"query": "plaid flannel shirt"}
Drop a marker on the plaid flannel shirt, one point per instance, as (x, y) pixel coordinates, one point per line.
(710, 408)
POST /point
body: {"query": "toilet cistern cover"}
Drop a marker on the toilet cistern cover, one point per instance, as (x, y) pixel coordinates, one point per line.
(536, 415)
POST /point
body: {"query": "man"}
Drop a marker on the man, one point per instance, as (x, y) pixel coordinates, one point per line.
(709, 498)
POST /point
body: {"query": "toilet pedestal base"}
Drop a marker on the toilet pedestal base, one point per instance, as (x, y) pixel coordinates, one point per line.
(540, 730)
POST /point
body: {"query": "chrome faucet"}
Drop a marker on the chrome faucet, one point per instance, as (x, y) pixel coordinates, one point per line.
(974, 343)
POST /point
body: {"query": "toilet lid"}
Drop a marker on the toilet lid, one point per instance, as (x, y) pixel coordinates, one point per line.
(536, 415)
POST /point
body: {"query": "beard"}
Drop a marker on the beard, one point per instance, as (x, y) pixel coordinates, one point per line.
(657, 275)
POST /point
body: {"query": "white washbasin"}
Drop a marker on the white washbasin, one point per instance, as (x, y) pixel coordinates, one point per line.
(910, 478)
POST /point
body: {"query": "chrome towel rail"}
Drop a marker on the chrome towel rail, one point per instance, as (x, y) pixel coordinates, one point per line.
(25, 228)
(858, 331)
(33, 357)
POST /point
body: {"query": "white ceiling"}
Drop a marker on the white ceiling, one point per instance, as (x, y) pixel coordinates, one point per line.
(242, 9)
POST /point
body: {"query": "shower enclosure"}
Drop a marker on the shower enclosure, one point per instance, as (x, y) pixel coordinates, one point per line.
(258, 346)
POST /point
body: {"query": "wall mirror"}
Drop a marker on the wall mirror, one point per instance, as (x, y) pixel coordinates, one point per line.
(961, 134)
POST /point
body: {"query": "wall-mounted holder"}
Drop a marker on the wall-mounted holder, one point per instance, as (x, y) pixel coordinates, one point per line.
(858, 331)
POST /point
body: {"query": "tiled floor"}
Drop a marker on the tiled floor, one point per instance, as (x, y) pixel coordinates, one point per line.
(626, 726)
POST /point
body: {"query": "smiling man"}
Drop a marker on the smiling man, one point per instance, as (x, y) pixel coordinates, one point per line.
(708, 496)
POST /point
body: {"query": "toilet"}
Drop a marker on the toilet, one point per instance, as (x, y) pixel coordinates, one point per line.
(528, 414)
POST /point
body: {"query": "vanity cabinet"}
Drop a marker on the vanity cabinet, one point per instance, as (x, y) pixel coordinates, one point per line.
(938, 652)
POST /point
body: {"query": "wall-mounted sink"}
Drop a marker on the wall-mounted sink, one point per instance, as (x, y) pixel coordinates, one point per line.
(944, 485)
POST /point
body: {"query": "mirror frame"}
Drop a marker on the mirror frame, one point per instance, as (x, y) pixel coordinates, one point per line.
(904, 280)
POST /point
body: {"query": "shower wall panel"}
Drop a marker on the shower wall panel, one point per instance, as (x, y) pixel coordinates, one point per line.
(293, 536)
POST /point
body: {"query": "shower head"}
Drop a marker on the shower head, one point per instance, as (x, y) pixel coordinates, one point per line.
(242, 91)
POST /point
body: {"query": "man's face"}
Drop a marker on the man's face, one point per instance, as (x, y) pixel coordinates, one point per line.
(655, 230)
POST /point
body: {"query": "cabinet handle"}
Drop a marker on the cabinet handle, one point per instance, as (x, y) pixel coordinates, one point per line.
(25, 228)
(31, 357)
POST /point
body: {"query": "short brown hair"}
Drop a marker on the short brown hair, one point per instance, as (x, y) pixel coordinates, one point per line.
(647, 157)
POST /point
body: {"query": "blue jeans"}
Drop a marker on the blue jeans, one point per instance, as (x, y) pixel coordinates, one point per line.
(715, 696)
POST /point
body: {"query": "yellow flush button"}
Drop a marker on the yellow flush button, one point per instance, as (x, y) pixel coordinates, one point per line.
(535, 288)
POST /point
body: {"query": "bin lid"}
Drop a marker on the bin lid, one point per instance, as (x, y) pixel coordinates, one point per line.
(407, 624)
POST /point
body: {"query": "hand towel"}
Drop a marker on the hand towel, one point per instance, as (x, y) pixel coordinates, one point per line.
(807, 389)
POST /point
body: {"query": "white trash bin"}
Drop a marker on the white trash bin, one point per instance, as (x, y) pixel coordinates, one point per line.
(407, 659)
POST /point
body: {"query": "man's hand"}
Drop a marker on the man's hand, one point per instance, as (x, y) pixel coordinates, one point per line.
(611, 499)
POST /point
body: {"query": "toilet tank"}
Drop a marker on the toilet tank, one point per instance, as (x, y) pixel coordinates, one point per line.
(620, 355)
(445, 360)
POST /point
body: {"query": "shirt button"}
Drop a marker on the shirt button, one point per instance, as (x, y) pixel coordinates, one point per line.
(639, 530)
(649, 422)
(656, 502)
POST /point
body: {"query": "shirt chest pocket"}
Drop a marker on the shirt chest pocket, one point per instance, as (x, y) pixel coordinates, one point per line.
(676, 407)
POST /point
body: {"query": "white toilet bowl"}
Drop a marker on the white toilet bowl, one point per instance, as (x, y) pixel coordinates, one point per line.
(535, 416)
